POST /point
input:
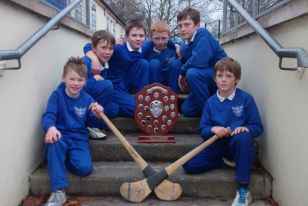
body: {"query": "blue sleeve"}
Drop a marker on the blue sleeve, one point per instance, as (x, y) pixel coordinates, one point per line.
(87, 47)
(92, 120)
(90, 79)
(205, 123)
(204, 49)
(147, 47)
(49, 117)
(253, 121)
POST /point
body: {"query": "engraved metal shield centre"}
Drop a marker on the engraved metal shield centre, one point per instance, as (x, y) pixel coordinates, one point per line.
(156, 108)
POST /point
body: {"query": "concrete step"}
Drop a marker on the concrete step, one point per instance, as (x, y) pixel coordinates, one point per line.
(108, 176)
(112, 150)
(184, 125)
(152, 201)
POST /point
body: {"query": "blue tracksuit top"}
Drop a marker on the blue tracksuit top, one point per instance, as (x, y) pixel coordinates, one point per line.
(69, 115)
(202, 53)
(164, 56)
(240, 111)
(121, 60)
(90, 79)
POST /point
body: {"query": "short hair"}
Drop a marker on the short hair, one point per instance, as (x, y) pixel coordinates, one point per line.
(160, 26)
(76, 64)
(134, 23)
(102, 35)
(189, 12)
(230, 65)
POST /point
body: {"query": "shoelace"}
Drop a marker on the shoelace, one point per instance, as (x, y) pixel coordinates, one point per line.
(242, 195)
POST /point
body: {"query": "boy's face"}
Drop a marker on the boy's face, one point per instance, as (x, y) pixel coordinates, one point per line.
(103, 51)
(225, 81)
(74, 83)
(187, 28)
(160, 39)
(135, 38)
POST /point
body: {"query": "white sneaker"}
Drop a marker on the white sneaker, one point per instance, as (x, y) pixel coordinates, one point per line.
(242, 198)
(228, 162)
(97, 134)
(57, 198)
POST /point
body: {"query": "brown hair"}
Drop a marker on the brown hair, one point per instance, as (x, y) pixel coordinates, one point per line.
(76, 64)
(160, 26)
(102, 35)
(230, 65)
(189, 12)
(134, 23)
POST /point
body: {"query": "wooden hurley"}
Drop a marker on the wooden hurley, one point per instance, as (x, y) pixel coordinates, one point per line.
(167, 190)
(139, 190)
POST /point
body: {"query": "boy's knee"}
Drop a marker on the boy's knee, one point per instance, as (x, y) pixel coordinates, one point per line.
(174, 64)
(191, 75)
(154, 64)
(143, 63)
(84, 169)
(244, 138)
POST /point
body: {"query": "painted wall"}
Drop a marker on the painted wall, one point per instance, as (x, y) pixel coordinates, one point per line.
(282, 98)
(24, 93)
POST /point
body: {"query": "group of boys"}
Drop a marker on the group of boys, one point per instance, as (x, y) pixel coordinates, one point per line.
(109, 73)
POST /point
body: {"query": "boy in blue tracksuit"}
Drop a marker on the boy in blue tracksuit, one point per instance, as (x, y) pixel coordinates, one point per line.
(230, 107)
(163, 63)
(97, 84)
(129, 71)
(64, 121)
(200, 53)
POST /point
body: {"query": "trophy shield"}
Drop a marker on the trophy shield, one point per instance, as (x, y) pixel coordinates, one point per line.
(156, 113)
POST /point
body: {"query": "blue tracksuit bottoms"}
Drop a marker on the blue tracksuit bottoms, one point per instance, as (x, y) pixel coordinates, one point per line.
(238, 148)
(138, 76)
(167, 76)
(102, 91)
(202, 86)
(67, 153)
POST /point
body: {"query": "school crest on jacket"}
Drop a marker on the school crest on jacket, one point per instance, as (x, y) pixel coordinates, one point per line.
(237, 110)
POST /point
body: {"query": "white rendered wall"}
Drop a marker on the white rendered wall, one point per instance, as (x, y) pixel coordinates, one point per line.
(282, 99)
(23, 96)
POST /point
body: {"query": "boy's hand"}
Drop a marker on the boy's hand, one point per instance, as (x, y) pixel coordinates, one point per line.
(178, 51)
(240, 129)
(52, 135)
(220, 131)
(98, 77)
(96, 65)
(96, 108)
(182, 83)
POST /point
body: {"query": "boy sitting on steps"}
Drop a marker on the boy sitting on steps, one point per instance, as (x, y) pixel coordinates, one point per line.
(230, 107)
(65, 120)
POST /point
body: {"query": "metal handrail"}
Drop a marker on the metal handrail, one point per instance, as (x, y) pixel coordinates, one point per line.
(29, 43)
(299, 53)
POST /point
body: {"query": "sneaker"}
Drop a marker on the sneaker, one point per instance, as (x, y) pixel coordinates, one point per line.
(228, 162)
(57, 198)
(242, 198)
(97, 134)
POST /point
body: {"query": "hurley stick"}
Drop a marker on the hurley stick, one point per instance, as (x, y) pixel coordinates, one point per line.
(139, 190)
(167, 190)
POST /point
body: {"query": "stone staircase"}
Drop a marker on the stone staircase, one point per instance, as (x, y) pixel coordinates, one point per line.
(113, 166)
